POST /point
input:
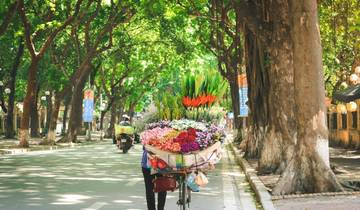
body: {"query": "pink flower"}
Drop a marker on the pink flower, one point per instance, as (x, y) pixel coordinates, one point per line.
(154, 134)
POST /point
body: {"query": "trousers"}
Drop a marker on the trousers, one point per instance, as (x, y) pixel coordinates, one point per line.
(150, 195)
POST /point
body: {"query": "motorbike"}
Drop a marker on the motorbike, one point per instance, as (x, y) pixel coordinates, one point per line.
(124, 137)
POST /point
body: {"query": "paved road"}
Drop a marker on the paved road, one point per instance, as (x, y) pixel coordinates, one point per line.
(99, 177)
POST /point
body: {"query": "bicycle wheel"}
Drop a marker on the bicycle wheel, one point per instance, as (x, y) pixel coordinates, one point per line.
(188, 200)
(183, 195)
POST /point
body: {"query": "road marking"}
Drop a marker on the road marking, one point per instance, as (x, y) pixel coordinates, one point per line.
(96, 206)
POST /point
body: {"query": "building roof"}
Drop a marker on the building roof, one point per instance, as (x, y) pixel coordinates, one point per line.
(350, 94)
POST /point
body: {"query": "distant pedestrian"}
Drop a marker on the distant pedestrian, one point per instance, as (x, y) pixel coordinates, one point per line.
(230, 120)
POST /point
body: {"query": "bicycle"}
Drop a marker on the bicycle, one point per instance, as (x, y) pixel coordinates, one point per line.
(184, 192)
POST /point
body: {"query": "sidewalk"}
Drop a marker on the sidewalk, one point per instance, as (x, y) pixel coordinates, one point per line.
(10, 146)
(346, 165)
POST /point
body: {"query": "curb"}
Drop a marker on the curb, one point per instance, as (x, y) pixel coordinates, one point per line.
(19, 151)
(311, 195)
(259, 188)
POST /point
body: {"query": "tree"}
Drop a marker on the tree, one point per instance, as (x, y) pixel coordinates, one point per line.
(12, 44)
(309, 170)
(219, 31)
(270, 79)
(99, 26)
(35, 58)
(57, 80)
(10, 130)
(7, 14)
(340, 30)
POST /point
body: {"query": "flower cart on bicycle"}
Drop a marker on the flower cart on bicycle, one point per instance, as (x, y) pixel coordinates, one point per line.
(182, 151)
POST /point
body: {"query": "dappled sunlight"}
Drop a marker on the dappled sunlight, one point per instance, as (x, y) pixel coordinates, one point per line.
(8, 175)
(69, 199)
(233, 174)
(214, 193)
(170, 196)
(90, 178)
(31, 183)
(29, 191)
(45, 174)
(50, 186)
(36, 198)
(137, 197)
(34, 204)
(30, 168)
(122, 201)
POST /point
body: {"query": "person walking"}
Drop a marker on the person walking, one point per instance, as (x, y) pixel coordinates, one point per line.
(149, 186)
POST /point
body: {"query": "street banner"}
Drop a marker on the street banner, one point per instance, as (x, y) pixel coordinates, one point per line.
(243, 95)
(88, 105)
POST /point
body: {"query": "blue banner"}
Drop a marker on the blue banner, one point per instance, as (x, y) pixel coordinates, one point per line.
(88, 110)
(243, 95)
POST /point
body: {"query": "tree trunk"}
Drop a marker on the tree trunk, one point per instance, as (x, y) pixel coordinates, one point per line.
(273, 129)
(34, 116)
(66, 104)
(131, 111)
(48, 112)
(51, 135)
(110, 130)
(8, 16)
(76, 111)
(234, 90)
(30, 95)
(308, 171)
(277, 148)
(10, 130)
(258, 91)
(102, 115)
(120, 111)
(51, 132)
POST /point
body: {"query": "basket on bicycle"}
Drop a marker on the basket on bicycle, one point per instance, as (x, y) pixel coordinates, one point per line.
(183, 144)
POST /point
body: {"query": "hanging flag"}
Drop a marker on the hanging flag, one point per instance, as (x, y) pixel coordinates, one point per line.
(88, 105)
(243, 95)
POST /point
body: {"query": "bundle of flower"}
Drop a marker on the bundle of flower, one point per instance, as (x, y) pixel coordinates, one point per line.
(202, 89)
(181, 136)
(198, 101)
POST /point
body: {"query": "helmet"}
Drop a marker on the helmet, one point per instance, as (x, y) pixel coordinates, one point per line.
(125, 116)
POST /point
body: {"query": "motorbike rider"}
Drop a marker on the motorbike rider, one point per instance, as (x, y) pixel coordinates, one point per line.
(125, 120)
(125, 135)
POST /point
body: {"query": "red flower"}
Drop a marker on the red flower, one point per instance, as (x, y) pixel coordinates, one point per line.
(186, 101)
(182, 135)
(191, 138)
(211, 99)
(203, 100)
(191, 131)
